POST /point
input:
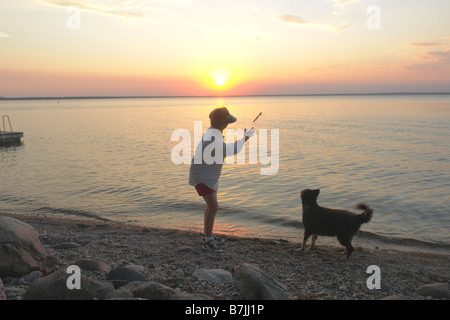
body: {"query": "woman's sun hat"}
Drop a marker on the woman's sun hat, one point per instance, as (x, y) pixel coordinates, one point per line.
(221, 115)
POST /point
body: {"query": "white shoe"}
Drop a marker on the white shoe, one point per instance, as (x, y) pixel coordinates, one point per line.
(218, 239)
(211, 245)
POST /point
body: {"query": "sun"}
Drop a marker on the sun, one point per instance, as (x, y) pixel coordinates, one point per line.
(220, 77)
(220, 82)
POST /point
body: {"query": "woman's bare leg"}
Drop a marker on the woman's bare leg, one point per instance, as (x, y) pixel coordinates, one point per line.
(210, 213)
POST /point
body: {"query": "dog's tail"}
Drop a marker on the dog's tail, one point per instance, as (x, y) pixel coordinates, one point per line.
(367, 213)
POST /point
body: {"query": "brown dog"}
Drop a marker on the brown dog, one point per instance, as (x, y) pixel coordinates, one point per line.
(319, 221)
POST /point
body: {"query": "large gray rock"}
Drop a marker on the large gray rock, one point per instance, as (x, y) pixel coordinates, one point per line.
(154, 291)
(20, 249)
(435, 290)
(122, 275)
(54, 287)
(254, 284)
(2, 291)
(191, 296)
(93, 265)
(30, 277)
(216, 276)
(119, 294)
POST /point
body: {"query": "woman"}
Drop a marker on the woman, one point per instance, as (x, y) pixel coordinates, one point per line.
(206, 166)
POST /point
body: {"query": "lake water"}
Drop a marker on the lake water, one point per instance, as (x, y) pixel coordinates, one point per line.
(111, 158)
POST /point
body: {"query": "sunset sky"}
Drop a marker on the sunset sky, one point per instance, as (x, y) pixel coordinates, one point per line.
(233, 47)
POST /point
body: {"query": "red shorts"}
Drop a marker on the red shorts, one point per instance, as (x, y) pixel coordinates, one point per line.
(203, 190)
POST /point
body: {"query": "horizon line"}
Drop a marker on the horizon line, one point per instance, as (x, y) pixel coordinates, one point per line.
(224, 96)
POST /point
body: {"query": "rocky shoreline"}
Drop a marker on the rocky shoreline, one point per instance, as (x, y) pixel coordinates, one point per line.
(119, 261)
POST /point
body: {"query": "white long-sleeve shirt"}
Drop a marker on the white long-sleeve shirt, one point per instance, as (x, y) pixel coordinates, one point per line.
(207, 163)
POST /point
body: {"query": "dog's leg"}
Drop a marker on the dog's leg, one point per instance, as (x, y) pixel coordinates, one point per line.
(313, 241)
(347, 243)
(305, 238)
(349, 250)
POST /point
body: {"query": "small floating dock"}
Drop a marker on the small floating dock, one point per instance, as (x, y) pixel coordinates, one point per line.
(9, 136)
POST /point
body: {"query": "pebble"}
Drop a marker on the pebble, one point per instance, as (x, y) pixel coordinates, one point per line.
(15, 293)
(30, 277)
(215, 276)
(185, 249)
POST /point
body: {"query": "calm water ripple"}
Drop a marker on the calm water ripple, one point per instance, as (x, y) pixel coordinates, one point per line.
(110, 159)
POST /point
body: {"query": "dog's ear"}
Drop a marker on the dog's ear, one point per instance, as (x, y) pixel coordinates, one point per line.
(316, 192)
